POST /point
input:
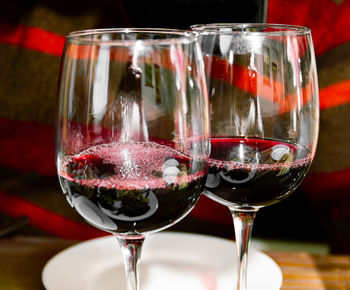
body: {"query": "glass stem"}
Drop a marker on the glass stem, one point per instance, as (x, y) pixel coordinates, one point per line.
(131, 250)
(243, 221)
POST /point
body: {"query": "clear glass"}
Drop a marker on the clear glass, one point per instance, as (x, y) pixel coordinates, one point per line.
(264, 112)
(133, 131)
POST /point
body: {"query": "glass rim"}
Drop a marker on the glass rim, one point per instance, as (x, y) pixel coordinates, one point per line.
(179, 36)
(277, 29)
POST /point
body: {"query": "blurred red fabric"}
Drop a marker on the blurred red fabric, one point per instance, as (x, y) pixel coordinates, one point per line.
(27, 144)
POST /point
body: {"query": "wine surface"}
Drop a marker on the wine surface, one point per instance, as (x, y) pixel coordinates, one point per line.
(253, 172)
(132, 188)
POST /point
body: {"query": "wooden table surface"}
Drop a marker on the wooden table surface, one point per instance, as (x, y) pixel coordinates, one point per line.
(22, 259)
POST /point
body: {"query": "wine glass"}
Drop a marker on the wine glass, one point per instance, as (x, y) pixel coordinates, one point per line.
(133, 131)
(264, 112)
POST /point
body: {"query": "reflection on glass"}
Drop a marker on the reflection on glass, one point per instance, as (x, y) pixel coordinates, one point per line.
(263, 93)
(133, 132)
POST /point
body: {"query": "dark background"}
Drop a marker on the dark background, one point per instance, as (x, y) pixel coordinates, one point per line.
(318, 211)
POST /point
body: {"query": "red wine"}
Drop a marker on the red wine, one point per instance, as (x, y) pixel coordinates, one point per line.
(253, 172)
(132, 188)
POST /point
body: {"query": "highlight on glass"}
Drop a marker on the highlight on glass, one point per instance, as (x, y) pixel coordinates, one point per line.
(132, 138)
(264, 111)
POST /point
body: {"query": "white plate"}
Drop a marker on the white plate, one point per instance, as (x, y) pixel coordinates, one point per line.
(169, 261)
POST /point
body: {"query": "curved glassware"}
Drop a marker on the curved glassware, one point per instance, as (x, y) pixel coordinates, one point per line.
(132, 132)
(264, 112)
